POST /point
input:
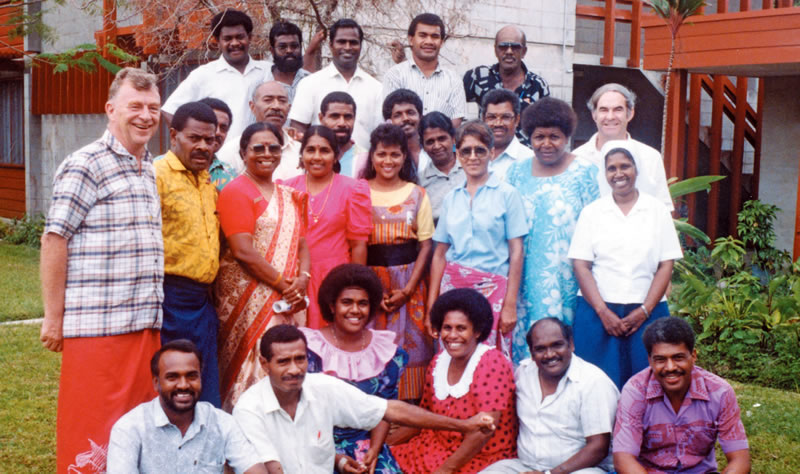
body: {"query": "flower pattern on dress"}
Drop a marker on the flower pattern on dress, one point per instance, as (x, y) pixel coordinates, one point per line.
(552, 206)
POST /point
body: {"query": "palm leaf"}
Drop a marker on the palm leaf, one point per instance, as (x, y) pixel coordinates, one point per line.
(692, 185)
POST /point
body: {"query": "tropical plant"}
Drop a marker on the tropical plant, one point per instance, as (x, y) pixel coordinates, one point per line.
(674, 13)
(678, 189)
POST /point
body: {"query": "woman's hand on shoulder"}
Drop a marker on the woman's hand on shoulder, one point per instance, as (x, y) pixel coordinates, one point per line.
(613, 324)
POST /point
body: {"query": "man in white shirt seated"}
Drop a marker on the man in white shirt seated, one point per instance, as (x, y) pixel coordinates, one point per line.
(289, 416)
(612, 107)
(500, 110)
(270, 103)
(231, 78)
(565, 405)
(173, 433)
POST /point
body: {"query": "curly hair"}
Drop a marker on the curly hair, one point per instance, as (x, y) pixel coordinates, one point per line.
(468, 301)
(349, 275)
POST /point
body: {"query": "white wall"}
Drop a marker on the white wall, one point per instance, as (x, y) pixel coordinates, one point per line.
(780, 153)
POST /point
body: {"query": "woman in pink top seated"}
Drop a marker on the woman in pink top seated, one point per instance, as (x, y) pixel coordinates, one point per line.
(339, 212)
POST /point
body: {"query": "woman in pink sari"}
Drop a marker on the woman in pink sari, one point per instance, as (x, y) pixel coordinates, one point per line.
(339, 212)
(266, 260)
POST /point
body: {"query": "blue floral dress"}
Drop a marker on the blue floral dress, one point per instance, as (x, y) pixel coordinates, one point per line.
(353, 442)
(552, 206)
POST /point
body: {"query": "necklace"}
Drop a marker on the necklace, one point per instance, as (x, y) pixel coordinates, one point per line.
(336, 340)
(316, 216)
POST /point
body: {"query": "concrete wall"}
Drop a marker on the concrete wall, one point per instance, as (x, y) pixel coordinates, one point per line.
(780, 154)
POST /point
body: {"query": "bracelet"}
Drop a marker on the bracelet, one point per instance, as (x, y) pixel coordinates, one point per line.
(306, 274)
(342, 463)
(277, 281)
(646, 313)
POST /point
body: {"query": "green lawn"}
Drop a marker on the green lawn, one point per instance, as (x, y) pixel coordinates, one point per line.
(19, 283)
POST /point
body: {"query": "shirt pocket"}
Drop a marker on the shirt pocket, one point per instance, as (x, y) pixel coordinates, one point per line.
(209, 463)
(699, 438)
(321, 449)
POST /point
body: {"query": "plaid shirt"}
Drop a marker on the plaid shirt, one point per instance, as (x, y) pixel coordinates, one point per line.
(110, 215)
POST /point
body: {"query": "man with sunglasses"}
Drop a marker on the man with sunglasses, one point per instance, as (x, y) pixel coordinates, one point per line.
(270, 103)
(500, 111)
(510, 46)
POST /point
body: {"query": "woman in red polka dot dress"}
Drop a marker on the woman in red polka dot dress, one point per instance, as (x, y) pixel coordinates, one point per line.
(466, 378)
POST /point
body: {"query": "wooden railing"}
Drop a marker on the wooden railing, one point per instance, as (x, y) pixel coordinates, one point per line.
(632, 16)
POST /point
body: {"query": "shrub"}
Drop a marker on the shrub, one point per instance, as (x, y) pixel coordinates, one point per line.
(743, 300)
(25, 231)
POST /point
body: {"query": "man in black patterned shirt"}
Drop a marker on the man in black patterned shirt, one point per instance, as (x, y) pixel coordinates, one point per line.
(510, 46)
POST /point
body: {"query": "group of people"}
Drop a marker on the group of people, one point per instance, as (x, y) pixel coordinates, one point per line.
(327, 223)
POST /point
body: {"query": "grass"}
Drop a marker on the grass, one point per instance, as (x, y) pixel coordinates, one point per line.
(19, 284)
(29, 382)
(28, 395)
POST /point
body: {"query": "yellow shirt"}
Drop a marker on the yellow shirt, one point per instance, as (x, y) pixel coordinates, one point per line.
(189, 220)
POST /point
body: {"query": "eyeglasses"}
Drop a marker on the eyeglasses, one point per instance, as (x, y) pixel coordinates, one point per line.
(508, 44)
(261, 149)
(505, 118)
(478, 151)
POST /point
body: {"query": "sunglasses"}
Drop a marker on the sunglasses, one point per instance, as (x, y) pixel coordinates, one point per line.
(508, 44)
(263, 149)
(478, 151)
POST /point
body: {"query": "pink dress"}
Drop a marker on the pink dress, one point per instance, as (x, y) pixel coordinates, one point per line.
(340, 212)
(486, 385)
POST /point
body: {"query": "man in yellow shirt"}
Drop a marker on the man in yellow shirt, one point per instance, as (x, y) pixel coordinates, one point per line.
(191, 237)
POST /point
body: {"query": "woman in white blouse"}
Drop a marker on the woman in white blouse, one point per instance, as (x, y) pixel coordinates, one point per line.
(622, 251)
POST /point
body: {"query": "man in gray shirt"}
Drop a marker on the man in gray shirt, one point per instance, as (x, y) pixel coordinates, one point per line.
(173, 433)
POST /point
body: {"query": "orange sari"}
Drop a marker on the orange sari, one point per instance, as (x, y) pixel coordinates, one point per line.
(244, 304)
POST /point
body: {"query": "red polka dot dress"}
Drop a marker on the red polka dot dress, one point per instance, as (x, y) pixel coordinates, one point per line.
(486, 385)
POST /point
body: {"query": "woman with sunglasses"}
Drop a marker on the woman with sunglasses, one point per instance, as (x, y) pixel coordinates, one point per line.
(266, 259)
(555, 187)
(398, 249)
(479, 236)
(339, 212)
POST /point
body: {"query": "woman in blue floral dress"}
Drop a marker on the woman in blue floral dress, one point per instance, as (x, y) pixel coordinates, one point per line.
(369, 359)
(555, 186)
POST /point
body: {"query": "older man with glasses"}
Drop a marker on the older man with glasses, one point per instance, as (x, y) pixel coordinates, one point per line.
(510, 72)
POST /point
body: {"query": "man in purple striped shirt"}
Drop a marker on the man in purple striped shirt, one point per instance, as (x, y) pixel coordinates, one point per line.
(671, 414)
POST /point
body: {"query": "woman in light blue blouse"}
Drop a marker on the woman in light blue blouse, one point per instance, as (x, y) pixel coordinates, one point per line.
(479, 236)
(555, 186)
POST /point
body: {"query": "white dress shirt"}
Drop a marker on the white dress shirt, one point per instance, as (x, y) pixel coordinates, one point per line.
(144, 441)
(652, 178)
(222, 81)
(625, 250)
(365, 90)
(290, 157)
(305, 444)
(554, 429)
(515, 151)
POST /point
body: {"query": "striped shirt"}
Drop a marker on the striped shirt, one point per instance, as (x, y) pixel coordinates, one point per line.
(442, 92)
(110, 215)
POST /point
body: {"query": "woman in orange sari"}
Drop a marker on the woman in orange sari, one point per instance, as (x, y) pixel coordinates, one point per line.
(266, 260)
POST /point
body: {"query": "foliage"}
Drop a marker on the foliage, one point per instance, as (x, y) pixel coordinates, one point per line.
(86, 57)
(755, 230)
(25, 231)
(674, 13)
(19, 283)
(745, 310)
(678, 189)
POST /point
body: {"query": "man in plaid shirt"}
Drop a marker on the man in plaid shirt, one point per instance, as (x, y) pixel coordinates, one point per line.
(102, 271)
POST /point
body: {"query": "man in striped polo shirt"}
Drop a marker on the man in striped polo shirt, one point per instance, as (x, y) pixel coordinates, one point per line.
(440, 89)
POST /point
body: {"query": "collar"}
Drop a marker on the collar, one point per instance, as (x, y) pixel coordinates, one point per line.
(697, 389)
(118, 148)
(596, 135)
(432, 171)
(515, 151)
(413, 65)
(495, 69)
(175, 165)
(331, 71)
(441, 388)
(159, 418)
(493, 182)
(270, 401)
(216, 163)
(221, 65)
